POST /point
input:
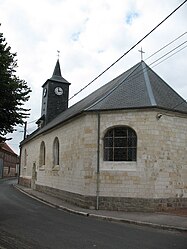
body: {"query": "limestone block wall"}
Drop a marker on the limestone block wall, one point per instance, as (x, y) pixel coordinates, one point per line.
(161, 167)
(77, 159)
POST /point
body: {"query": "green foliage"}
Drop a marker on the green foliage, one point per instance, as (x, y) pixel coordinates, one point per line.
(14, 92)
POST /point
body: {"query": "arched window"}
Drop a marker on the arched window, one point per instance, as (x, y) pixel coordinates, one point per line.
(56, 152)
(120, 144)
(42, 154)
(25, 158)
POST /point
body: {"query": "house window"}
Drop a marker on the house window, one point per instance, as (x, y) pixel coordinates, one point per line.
(120, 144)
(56, 152)
(42, 154)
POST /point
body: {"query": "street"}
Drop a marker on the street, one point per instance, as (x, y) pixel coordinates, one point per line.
(28, 223)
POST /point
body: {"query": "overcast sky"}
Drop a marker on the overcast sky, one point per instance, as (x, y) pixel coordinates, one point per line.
(91, 35)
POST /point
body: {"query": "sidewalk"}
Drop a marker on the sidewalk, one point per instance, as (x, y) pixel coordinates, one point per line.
(171, 221)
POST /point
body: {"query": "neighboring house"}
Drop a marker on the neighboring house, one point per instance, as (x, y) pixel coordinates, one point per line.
(123, 147)
(9, 161)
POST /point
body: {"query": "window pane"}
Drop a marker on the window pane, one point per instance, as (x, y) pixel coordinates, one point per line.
(132, 154)
(108, 154)
(120, 142)
(131, 141)
(131, 133)
(108, 142)
(109, 133)
(120, 154)
(120, 132)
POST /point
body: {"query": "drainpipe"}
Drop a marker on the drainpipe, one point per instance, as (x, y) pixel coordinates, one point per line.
(98, 160)
(19, 169)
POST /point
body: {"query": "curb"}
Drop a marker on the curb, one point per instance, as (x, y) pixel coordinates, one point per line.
(102, 217)
(140, 223)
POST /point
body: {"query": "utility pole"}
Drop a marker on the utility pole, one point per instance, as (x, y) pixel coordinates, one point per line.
(25, 130)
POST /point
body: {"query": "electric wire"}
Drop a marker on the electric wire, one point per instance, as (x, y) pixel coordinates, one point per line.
(166, 45)
(169, 56)
(129, 50)
(168, 53)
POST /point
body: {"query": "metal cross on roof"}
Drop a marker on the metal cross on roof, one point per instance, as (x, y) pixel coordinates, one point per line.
(142, 52)
(58, 54)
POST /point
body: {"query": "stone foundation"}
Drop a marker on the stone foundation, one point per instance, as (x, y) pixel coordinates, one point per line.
(117, 203)
(76, 199)
(141, 204)
(25, 182)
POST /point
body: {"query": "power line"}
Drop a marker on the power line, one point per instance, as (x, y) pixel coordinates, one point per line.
(129, 50)
(170, 56)
(168, 52)
(140, 71)
(166, 46)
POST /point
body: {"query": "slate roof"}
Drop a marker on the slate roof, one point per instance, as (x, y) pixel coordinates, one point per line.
(57, 75)
(138, 87)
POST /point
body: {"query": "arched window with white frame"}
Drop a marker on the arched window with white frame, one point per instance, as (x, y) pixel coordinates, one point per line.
(42, 154)
(120, 144)
(56, 151)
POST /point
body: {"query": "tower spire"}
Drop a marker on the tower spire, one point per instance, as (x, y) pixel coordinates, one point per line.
(57, 76)
(57, 70)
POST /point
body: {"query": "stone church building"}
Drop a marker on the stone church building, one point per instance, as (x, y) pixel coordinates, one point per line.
(123, 147)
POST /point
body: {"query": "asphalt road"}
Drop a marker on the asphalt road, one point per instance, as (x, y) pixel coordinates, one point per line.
(26, 223)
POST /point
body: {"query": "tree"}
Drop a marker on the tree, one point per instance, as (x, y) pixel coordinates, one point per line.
(14, 92)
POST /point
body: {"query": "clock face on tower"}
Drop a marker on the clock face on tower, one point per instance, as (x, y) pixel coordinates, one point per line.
(58, 90)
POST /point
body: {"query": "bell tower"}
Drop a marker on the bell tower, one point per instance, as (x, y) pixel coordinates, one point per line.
(55, 96)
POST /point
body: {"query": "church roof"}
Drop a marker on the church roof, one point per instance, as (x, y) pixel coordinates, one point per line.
(138, 87)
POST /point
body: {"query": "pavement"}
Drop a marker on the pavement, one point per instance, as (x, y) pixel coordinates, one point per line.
(173, 220)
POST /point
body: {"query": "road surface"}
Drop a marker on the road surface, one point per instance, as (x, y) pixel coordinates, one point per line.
(26, 223)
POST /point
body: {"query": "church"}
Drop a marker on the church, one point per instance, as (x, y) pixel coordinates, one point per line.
(123, 147)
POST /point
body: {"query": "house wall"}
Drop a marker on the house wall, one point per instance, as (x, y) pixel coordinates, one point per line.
(157, 180)
(8, 164)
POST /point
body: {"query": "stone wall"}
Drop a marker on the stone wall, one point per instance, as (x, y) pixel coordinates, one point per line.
(161, 167)
(24, 181)
(76, 170)
(73, 198)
